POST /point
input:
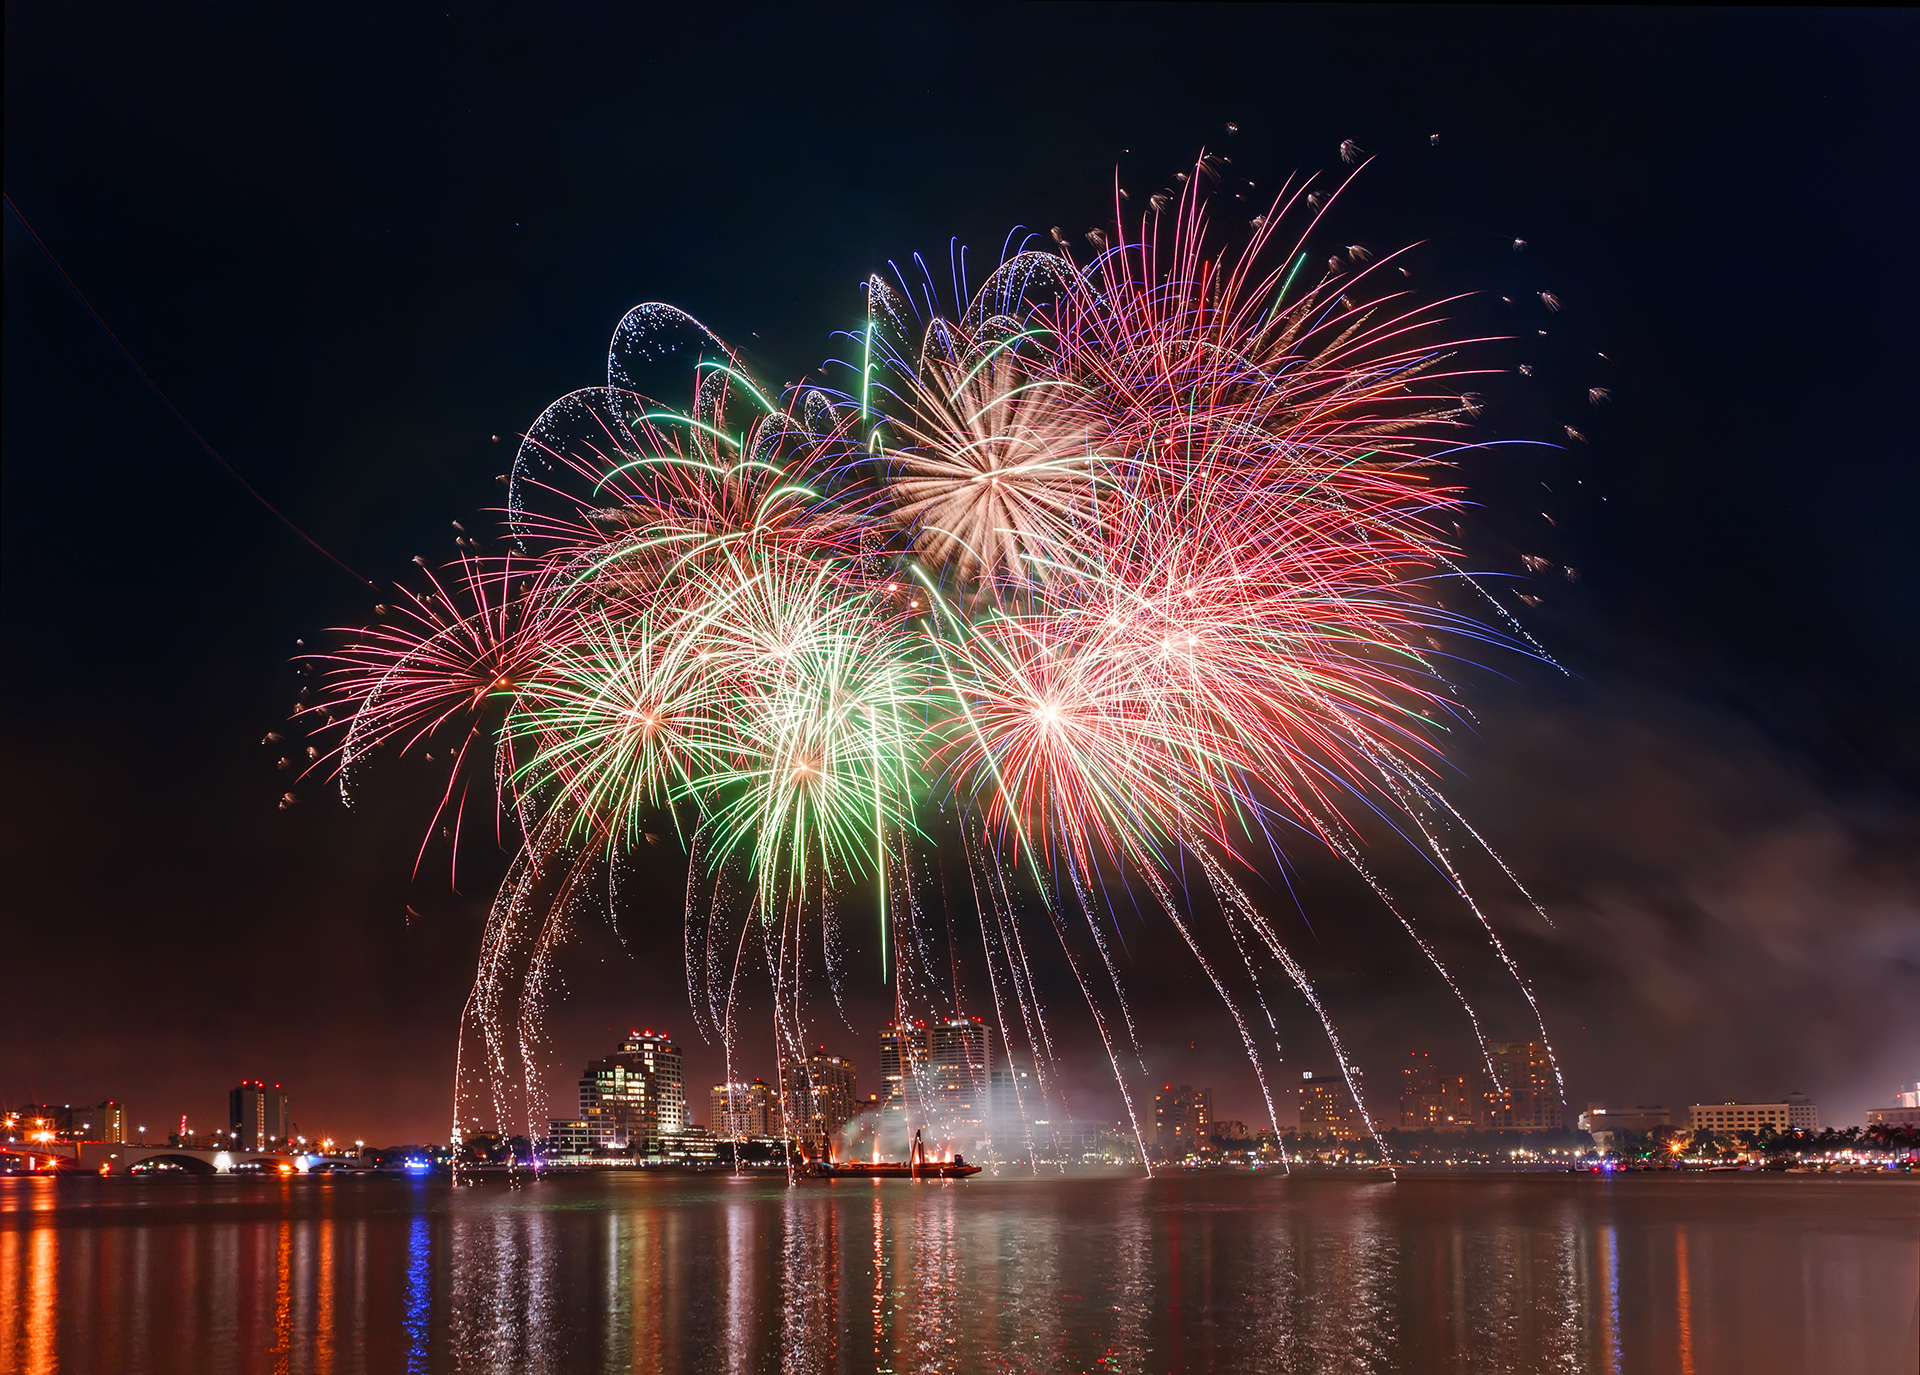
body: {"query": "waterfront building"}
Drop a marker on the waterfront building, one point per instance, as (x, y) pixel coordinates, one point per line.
(940, 1079)
(1073, 1143)
(694, 1146)
(111, 1121)
(959, 1063)
(1327, 1108)
(1600, 1118)
(258, 1116)
(743, 1111)
(1466, 1102)
(1233, 1134)
(1607, 1125)
(1529, 1099)
(635, 1095)
(40, 1122)
(1793, 1113)
(67, 1122)
(1014, 1101)
(903, 1053)
(1421, 1097)
(1904, 1111)
(1182, 1119)
(728, 1110)
(821, 1097)
(568, 1136)
(1432, 1099)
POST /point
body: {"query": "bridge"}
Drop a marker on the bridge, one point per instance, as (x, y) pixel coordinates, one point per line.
(119, 1157)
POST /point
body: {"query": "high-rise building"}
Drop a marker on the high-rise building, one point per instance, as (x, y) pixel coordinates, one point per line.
(742, 1110)
(1431, 1099)
(635, 1095)
(1422, 1098)
(258, 1116)
(1529, 1097)
(903, 1054)
(727, 1109)
(1327, 1108)
(820, 1097)
(655, 1055)
(1181, 1119)
(1466, 1102)
(959, 1060)
(1013, 1100)
(938, 1079)
(98, 1121)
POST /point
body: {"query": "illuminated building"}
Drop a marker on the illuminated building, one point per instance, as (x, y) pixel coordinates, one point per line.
(1904, 1111)
(1181, 1119)
(938, 1078)
(1530, 1098)
(68, 1122)
(1421, 1098)
(1327, 1108)
(1607, 1125)
(635, 1095)
(820, 1096)
(1466, 1102)
(1432, 1099)
(105, 1121)
(959, 1060)
(1013, 1100)
(1642, 1119)
(1793, 1113)
(903, 1053)
(568, 1136)
(746, 1111)
(258, 1117)
(40, 1122)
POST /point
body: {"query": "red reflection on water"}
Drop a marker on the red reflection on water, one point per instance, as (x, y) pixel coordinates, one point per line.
(1683, 1301)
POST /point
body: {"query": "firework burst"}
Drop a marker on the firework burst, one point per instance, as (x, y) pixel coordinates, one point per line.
(1134, 566)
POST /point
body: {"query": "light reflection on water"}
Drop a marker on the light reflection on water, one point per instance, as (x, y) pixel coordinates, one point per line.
(615, 1272)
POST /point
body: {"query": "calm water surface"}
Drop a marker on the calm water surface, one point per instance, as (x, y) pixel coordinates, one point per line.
(610, 1272)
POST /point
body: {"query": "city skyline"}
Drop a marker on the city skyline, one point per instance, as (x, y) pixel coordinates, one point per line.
(615, 1113)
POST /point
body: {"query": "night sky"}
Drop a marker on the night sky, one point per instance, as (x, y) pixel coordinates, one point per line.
(352, 251)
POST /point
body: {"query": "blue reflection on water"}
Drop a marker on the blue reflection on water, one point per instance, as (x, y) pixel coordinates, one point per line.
(418, 1298)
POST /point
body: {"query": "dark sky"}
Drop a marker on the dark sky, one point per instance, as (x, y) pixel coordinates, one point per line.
(353, 249)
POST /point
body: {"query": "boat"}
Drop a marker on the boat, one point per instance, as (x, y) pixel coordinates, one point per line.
(917, 1165)
(897, 1169)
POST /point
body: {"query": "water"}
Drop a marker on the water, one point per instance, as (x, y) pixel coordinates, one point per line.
(613, 1271)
